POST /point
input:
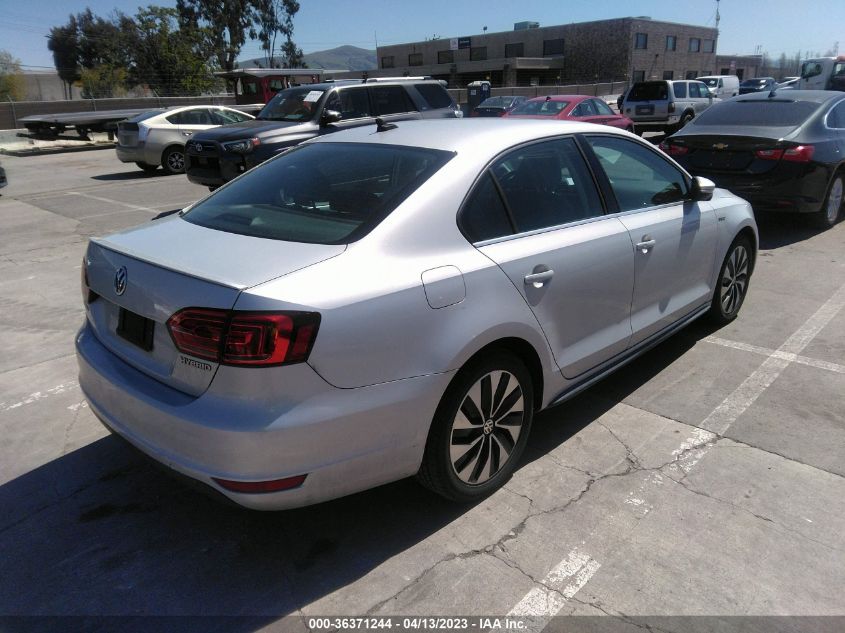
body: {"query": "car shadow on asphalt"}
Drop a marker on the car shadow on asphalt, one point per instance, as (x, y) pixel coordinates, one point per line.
(783, 229)
(135, 174)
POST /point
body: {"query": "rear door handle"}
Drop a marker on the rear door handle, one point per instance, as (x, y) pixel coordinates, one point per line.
(539, 278)
(647, 244)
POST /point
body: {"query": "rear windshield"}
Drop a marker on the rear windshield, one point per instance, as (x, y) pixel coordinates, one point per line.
(648, 91)
(494, 102)
(540, 108)
(146, 115)
(293, 104)
(758, 113)
(751, 83)
(322, 193)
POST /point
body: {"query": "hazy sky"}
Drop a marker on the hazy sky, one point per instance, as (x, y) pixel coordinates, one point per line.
(774, 25)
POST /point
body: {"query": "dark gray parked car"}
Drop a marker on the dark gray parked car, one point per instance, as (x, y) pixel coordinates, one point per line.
(296, 114)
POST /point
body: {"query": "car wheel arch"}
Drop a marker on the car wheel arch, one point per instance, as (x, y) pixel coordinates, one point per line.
(170, 146)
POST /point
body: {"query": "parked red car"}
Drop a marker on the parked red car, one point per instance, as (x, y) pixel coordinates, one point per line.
(571, 108)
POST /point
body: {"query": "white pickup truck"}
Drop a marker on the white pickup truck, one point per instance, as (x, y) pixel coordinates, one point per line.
(823, 73)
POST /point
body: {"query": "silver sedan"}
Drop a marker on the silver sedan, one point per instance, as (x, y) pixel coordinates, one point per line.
(157, 138)
(399, 300)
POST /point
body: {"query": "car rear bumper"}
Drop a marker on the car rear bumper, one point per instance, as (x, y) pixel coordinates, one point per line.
(136, 154)
(654, 125)
(344, 440)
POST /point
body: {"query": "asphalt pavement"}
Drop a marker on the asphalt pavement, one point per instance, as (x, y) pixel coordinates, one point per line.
(707, 478)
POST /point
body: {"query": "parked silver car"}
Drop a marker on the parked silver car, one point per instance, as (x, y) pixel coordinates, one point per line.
(158, 137)
(399, 300)
(665, 106)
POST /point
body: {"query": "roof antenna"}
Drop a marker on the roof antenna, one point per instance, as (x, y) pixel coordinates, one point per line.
(548, 98)
(381, 126)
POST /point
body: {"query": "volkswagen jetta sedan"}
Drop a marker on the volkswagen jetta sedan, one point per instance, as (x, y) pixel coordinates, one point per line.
(399, 300)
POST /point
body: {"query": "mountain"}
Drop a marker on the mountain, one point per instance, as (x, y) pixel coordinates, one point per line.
(342, 58)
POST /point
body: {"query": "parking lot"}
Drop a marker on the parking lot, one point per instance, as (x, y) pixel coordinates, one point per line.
(705, 478)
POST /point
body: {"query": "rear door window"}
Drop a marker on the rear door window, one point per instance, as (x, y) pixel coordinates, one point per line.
(390, 100)
(352, 103)
(640, 177)
(585, 108)
(680, 89)
(547, 184)
(319, 193)
(434, 95)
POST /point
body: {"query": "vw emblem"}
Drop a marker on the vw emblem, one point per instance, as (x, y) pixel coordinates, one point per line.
(197, 147)
(120, 280)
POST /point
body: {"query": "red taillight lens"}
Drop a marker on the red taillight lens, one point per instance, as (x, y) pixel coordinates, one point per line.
(671, 107)
(769, 154)
(800, 154)
(198, 332)
(274, 485)
(256, 339)
(674, 150)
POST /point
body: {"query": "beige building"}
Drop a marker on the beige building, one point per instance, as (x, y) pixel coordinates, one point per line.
(622, 49)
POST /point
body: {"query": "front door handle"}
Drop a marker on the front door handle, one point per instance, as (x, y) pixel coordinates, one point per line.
(647, 244)
(537, 279)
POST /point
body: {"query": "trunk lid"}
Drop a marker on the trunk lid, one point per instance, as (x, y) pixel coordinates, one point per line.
(729, 153)
(127, 134)
(168, 265)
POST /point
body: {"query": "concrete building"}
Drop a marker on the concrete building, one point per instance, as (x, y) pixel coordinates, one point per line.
(622, 49)
(743, 66)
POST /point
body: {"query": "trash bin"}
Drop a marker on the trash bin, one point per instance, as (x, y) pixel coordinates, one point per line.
(477, 91)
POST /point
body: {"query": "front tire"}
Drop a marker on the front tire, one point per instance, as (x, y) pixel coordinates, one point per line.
(480, 429)
(732, 285)
(832, 207)
(173, 160)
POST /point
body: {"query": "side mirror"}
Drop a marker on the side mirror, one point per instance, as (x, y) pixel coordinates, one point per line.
(330, 116)
(702, 189)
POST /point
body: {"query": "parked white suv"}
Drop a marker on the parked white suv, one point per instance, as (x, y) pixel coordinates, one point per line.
(665, 106)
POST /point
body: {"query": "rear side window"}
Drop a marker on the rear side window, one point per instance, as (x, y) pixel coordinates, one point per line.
(648, 91)
(585, 108)
(434, 95)
(547, 184)
(680, 90)
(640, 177)
(391, 100)
(224, 117)
(602, 107)
(836, 117)
(758, 112)
(198, 116)
(540, 108)
(484, 216)
(321, 193)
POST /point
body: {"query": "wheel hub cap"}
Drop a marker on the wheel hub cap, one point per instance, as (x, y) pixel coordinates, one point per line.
(486, 427)
(734, 280)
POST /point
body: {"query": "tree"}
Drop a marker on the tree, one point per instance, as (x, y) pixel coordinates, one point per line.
(224, 24)
(169, 59)
(273, 18)
(11, 80)
(64, 43)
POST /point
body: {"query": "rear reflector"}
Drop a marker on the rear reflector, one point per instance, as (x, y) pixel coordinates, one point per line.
(256, 339)
(254, 487)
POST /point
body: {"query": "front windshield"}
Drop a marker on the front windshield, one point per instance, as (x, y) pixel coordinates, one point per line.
(711, 83)
(540, 108)
(293, 104)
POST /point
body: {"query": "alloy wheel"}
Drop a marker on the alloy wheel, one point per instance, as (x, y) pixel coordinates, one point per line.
(176, 161)
(734, 280)
(486, 427)
(834, 200)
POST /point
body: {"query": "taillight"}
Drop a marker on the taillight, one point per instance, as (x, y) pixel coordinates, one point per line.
(473, 113)
(671, 107)
(798, 154)
(255, 339)
(674, 150)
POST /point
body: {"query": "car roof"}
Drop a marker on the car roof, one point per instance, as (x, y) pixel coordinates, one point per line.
(481, 135)
(569, 98)
(817, 96)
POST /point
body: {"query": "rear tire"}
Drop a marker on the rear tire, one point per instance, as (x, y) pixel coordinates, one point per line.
(732, 284)
(480, 429)
(173, 160)
(149, 169)
(832, 206)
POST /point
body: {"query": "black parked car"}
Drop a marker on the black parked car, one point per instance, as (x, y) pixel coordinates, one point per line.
(784, 152)
(497, 106)
(758, 84)
(215, 156)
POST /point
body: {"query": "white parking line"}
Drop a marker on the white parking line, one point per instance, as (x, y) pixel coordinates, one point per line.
(765, 351)
(35, 396)
(134, 207)
(542, 603)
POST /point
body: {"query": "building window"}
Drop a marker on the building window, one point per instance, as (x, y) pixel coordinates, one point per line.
(708, 46)
(641, 40)
(725, 71)
(515, 50)
(639, 75)
(705, 73)
(694, 45)
(552, 47)
(415, 59)
(445, 57)
(691, 74)
(478, 53)
(668, 74)
(671, 42)
(387, 62)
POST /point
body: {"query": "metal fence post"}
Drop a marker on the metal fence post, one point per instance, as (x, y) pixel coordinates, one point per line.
(14, 116)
